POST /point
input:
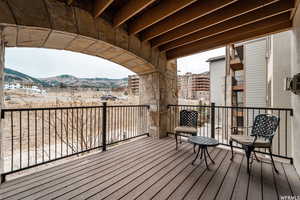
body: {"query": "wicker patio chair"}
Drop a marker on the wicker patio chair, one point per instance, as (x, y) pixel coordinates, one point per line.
(187, 125)
(263, 131)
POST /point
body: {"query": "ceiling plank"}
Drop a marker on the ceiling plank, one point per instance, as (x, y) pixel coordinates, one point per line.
(164, 9)
(100, 6)
(130, 9)
(69, 2)
(188, 14)
(235, 35)
(233, 10)
(254, 16)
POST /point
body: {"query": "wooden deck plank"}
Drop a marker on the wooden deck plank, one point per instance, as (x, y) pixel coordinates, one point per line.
(201, 184)
(215, 183)
(281, 182)
(88, 173)
(241, 186)
(293, 178)
(228, 184)
(72, 163)
(186, 185)
(152, 169)
(157, 187)
(268, 184)
(157, 181)
(139, 173)
(131, 173)
(47, 175)
(136, 187)
(255, 184)
(86, 181)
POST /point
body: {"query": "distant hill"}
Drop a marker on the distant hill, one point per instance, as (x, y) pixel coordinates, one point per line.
(72, 81)
(15, 76)
(65, 80)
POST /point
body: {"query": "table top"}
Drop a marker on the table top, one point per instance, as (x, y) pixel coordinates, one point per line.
(204, 141)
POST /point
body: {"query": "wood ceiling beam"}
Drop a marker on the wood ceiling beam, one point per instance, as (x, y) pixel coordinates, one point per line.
(69, 2)
(130, 9)
(188, 14)
(251, 17)
(100, 6)
(164, 9)
(231, 11)
(267, 26)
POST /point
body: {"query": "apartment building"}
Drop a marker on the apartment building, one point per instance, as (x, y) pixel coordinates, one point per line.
(252, 74)
(133, 85)
(194, 86)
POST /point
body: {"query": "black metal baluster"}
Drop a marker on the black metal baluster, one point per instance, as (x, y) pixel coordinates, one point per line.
(286, 133)
(28, 141)
(279, 152)
(55, 136)
(61, 132)
(49, 133)
(35, 132)
(86, 128)
(20, 133)
(72, 128)
(12, 140)
(43, 137)
(67, 131)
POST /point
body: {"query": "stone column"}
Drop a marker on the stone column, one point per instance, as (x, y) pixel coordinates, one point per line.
(2, 51)
(158, 89)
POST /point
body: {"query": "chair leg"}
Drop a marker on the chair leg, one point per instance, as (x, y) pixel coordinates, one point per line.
(256, 156)
(248, 150)
(194, 148)
(176, 139)
(230, 142)
(273, 163)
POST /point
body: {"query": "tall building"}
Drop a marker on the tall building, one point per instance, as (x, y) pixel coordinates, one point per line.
(194, 86)
(133, 85)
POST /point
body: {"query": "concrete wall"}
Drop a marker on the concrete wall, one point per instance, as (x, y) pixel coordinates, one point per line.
(281, 56)
(295, 68)
(217, 82)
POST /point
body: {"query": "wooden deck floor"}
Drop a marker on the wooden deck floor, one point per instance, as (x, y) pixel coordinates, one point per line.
(152, 169)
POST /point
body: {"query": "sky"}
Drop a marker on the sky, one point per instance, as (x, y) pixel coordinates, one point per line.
(41, 63)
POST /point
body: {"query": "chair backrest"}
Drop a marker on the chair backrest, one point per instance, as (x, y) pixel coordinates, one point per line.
(265, 126)
(188, 118)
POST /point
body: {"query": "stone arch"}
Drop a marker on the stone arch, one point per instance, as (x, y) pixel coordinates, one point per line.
(53, 24)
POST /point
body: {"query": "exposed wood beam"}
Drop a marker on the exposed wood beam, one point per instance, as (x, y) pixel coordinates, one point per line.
(69, 2)
(233, 10)
(130, 9)
(164, 9)
(100, 6)
(188, 14)
(266, 26)
(256, 15)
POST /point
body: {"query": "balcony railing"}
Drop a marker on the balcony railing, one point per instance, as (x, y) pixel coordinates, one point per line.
(36, 136)
(220, 122)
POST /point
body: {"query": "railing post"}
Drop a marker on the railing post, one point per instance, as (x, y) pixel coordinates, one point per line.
(104, 117)
(212, 120)
(2, 63)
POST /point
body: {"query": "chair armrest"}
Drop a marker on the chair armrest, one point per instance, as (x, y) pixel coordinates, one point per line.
(244, 127)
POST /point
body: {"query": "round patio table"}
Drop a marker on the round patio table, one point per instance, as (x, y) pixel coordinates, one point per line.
(203, 143)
